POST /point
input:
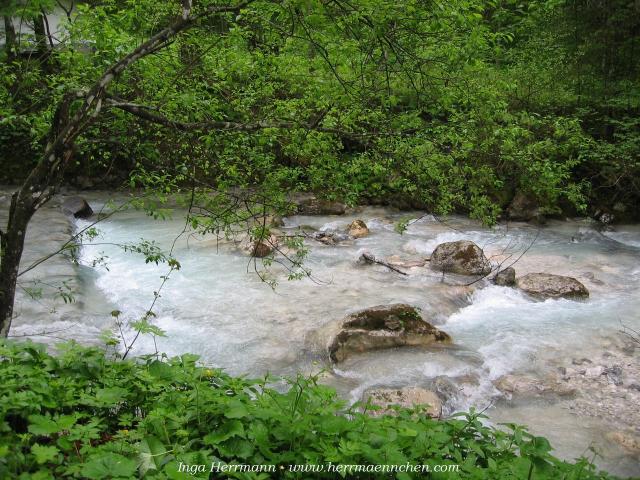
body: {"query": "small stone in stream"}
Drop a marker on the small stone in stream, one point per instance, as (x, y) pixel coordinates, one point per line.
(261, 249)
(358, 229)
(582, 361)
(594, 371)
(634, 386)
(331, 238)
(506, 277)
(366, 258)
(614, 374)
(77, 206)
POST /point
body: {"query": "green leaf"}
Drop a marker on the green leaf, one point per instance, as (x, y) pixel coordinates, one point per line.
(160, 370)
(233, 428)
(152, 453)
(44, 453)
(41, 425)
(236, 409)
(109, 465)
(111, 395)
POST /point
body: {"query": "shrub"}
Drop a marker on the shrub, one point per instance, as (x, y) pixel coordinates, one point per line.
(80, 414)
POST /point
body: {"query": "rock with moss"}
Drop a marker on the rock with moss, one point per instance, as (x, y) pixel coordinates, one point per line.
(545, 285)
(381, 327)
(462, 257)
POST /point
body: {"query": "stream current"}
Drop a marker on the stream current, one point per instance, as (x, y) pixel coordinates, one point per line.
(217, 307)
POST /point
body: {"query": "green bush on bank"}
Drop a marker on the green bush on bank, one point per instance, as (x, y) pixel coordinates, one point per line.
(80, 414)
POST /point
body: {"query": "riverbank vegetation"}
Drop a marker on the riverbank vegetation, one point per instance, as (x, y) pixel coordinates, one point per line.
(450, 106)
(84, 414)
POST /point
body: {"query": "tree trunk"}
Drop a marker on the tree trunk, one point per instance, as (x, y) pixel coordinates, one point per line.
(11, 39)
(42, 43)
(20, 214)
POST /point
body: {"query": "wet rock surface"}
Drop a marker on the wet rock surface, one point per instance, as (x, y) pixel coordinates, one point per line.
(462, 257)
(357, 229)
(382, 327)
(77, 207)
(506, 277)
(330, 237)
(545, 285)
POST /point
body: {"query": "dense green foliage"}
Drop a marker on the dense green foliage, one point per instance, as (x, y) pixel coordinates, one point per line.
(451, 106)
(82, 415)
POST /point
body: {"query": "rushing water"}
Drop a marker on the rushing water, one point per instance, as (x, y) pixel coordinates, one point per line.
(217, 307)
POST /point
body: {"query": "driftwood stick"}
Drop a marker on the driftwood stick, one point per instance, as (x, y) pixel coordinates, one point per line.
(369, 258)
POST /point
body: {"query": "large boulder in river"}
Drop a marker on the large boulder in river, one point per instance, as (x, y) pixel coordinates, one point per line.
(545, 285)
(315, 206)
(384, 326)
(77, 206)
(358, 229)
(462, 257)
(408, 397)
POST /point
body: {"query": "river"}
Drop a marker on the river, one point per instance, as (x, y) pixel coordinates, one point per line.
(217, 307)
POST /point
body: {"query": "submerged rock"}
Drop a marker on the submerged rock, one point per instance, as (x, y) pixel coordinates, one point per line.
(627, 440)
(380, 327)
(77, 206)
(545, 285)
(446, 388)
(613, 374)
(528, 385)
(397, 261)
(506, 277)
(358, 229)
(407, 397)
(462, 257)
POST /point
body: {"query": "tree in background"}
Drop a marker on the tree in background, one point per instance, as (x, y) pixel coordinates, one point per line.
(258, 96)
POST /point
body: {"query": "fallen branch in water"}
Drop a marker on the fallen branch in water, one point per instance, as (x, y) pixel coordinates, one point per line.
(369, 258)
